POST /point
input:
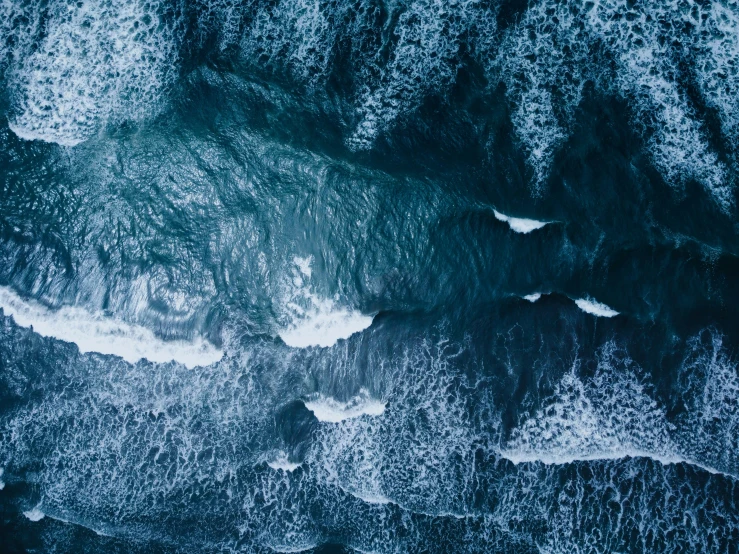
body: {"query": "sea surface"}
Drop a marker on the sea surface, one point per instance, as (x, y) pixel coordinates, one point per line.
(369, 276)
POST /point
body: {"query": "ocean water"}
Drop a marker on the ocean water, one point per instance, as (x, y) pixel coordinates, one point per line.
(382, 276)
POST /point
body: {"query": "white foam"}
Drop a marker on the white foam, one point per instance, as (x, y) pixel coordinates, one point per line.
(608, 416)
(304, 264)
(330, 410)
(519, 224)
(2, 483)
(311, 320)
(324, 324)
(96, 332)
(282, 463)
(597, 309)
(35, 514)
(98, 61)
(532, 297)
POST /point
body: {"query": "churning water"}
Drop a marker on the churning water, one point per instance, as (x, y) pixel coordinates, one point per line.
(369, 276)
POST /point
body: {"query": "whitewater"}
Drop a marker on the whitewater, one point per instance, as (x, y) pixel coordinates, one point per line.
(369, 276)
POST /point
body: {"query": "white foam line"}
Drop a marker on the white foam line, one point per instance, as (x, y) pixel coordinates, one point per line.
(590, 306)
(532, 297)
(519, 224)
(26, 134)
(670, 459)
(332, 411)
(96, 332)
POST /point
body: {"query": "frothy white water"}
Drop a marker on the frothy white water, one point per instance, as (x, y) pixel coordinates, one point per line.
(98, 61)
(323, 324)
(96, 332)
(552, 47)
(519, 224)
(608, 416)
(313, 320)
(330, 410)
(282, 463)
(613, 415)
(2, 483)
(35, 514)
(590, 306)
(532, 297)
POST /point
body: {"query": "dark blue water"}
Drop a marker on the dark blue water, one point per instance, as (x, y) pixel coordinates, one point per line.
(369, 276)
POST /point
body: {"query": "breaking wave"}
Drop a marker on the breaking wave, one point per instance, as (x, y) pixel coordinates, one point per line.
(97, 332)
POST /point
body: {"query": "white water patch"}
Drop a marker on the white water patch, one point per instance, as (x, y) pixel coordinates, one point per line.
(428, 35)
(311, 320)
(709, 378)
(598, 309)
(323, 324)
(613, 415)
(35, 514)
(329, 410)
(559, 46)
(304, 265)
(97, 332)
(99, 61)
(608, 416)
(2, 483)
(281, 462)
(420, 454)
(532, 297)
(519, 224)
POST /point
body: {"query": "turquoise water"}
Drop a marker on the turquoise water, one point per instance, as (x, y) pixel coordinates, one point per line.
(369, 276)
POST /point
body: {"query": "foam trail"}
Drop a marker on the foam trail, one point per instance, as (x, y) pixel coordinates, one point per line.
(35, 514)
(96, 332)
(332, 411)
(598, 309)
(519, 224)
(532, 297)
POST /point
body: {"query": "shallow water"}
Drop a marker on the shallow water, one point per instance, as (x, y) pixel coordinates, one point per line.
(369, 276)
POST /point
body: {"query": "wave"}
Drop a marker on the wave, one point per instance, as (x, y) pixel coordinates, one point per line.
(311, 320)
(281, 462)
(519, 224)
(613, 415)
(330, 410)
(35, 514)
(323, 324)
(533, 297)
(96, 332)
(664, 459)
(590, 306)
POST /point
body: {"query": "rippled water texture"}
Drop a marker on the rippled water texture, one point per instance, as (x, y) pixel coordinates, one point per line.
(369, 276)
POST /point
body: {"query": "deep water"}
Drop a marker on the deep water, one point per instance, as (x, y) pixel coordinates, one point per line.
(369, 276)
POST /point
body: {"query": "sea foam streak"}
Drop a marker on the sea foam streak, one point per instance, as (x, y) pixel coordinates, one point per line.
(96, 332)
(332, 411)
(518, 224)
(590, 306)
